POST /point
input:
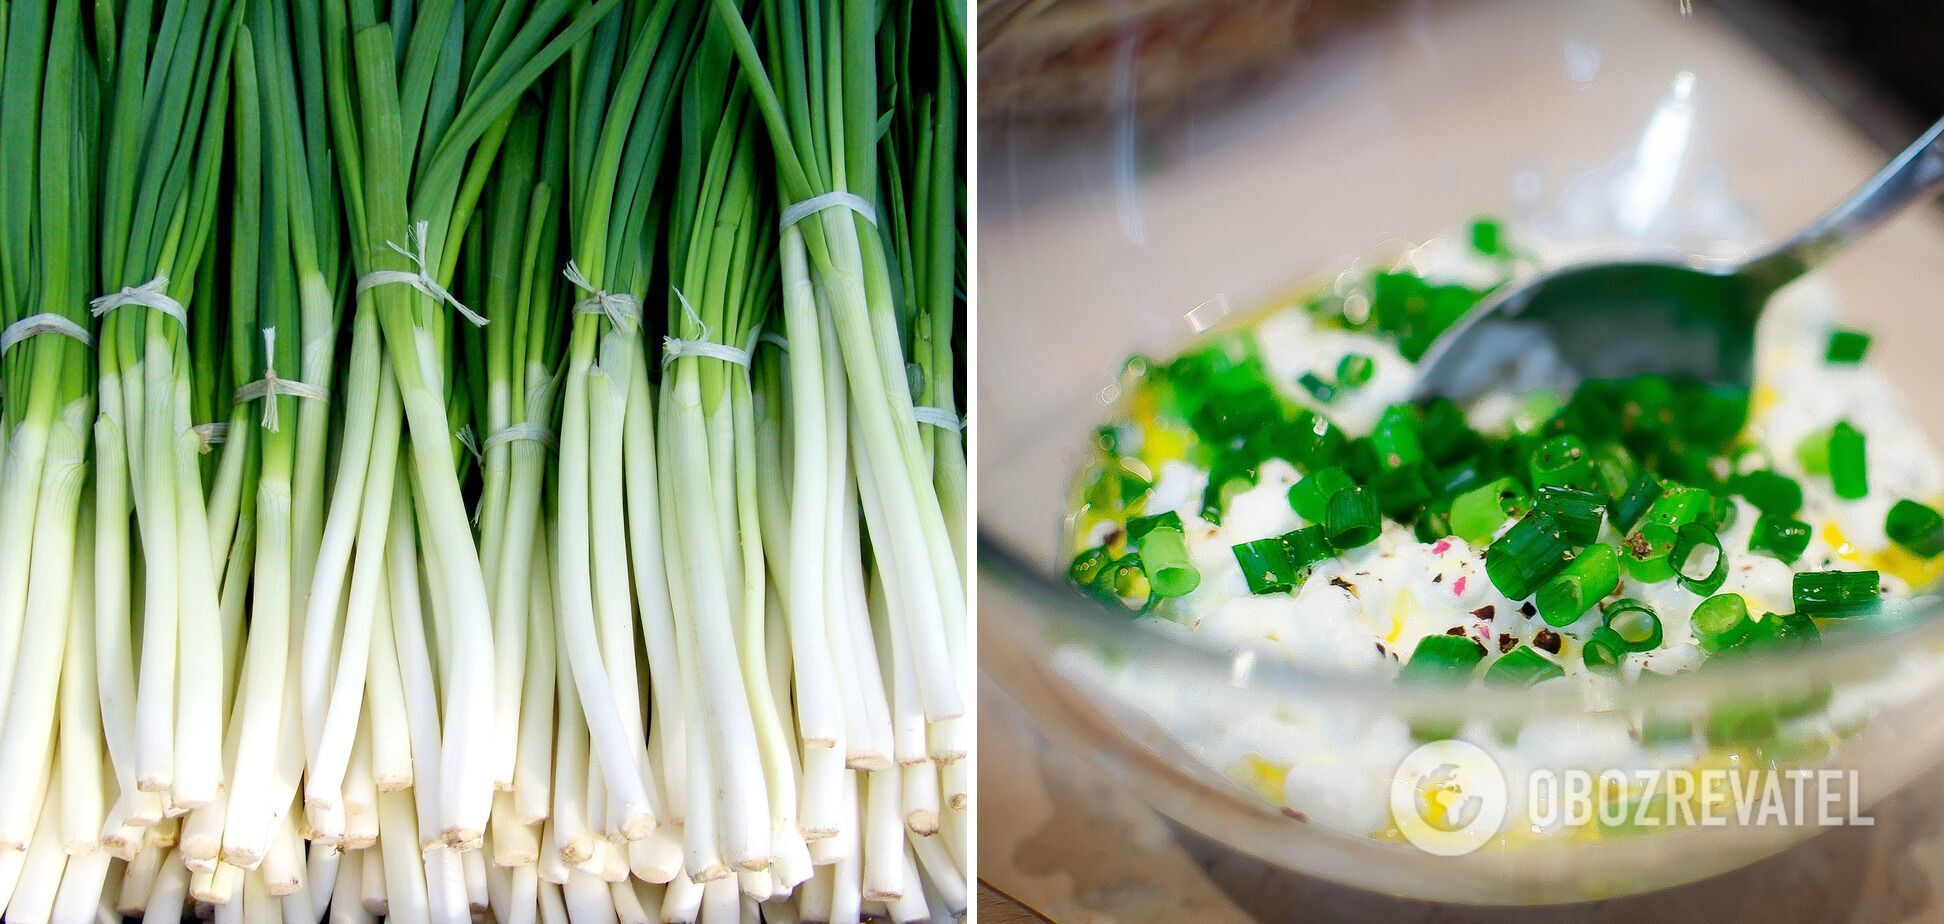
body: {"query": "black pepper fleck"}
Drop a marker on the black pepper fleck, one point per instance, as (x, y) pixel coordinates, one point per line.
(1507, 643)
(1346, 585)
(1546, 640)
(1455, 630)
(1485, 612)
(1438, 578)
(1528, 609)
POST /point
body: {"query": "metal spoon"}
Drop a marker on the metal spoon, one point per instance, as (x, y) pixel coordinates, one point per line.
(1695, 318)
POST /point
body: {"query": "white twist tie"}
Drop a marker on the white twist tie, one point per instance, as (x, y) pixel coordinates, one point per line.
(798, 211)
(272, 385)
(674, 348)
(620, 307)
(938, 417)
(46, 323)
(149, 294)
(208, 435)
(537, 433)
(774, 339)
(421, 280)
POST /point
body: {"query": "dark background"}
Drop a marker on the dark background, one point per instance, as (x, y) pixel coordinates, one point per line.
(1880, 61)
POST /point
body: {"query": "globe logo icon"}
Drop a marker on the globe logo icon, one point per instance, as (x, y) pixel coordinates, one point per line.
(1448, 798)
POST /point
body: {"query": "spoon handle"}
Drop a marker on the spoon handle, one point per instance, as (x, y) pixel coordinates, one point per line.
(1916, 174)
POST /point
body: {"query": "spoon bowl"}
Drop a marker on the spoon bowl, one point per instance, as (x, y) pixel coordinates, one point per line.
(1692, 319)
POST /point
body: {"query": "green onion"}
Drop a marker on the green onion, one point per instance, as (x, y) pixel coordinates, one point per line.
(1522, 667)
(1139, 527)
(1477, 514)
(1813, 453)
(1563, 461)
(1769, 492)
(1321, 390)
(1395, 438)
(1278, 564)
(1635, 623)
(1088, 565)
(1539, 546)
(1830, 594)
(1591, 576)
(1603, 651)
(1848, 474)
(1351, 519)
(1310, 497)
(1690, 540)
(1640, 495)
(1648, 553)
(1915, 527)
(1164, 553)
(1354, 370)
(1442, 659)
(1782, 538)
(1846, 347)
(1487, 238)
(1721, 622)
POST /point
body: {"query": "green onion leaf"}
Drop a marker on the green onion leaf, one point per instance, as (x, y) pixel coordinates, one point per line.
(1522, 667)
(1537, 547)
(1354, 370)
(1635, 623)
(1352, 519)
(1846, 347)
(1721, 622)
(1591, 576)
(1476, 515)
(1318, 388)
(1310, 497)
(1848, 473)
(1780, 537)
(1831, 594)
(1603, 651)
(1641, 494)
(1769, 492)
(1690, 540)
(1442, 659)
(1164, 557)
(1564, 461)
(1917, 528)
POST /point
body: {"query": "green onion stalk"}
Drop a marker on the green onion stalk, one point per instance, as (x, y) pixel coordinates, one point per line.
(159, 189)
(521, 238)
(721, 268)
(818, 96)
(620, 81)
(48, 111)
(923, 190)
(420, 108)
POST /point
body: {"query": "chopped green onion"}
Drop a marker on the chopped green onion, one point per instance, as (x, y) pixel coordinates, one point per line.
(1769, 492)
(1139, 527)
(1445, 433)
(1846, 347)
(1647, 553)
(1352, 519)
(1279, 563)
(1442, 659)
(1830, 594)
(1310, 497)
(1780, 537)
(1478, 513)
(1848, 474)
(1164, 557)
(1314, 384)
(1563, 460)
(1782, 629)
(1813, 453)
(1354, 370)
(1591, 576)
(1721, 622)
(1603, 651)
(1487, 237)
(1640, 495)
(1680, 505)
(1582, 509)
(1522, 667)
(1634, 622)
(1691, 538)
(1395, 438)
(1917, 528)
(1537, 547)
(1087, 565)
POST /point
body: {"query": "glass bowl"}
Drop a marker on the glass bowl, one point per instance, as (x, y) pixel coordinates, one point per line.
(1110, 228)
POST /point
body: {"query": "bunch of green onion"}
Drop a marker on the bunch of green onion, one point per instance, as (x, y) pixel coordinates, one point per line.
(370, 550)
